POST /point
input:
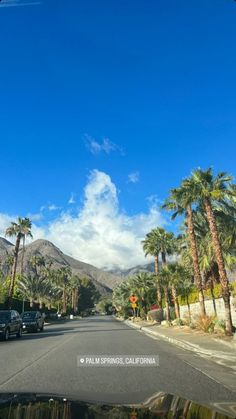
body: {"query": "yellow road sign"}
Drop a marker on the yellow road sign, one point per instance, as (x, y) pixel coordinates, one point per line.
(134, 305)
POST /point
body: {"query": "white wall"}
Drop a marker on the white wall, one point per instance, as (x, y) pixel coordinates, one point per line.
(210, 310)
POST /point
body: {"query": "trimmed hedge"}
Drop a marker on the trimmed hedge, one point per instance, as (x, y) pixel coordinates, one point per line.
(193, 296)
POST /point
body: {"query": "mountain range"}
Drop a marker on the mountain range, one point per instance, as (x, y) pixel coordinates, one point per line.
(104, 280)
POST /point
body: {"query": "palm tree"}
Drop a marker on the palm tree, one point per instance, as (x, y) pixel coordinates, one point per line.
(74, 287)
(180, 202)
(20, 229)
(27, 287)
(151, 246)
(38, 262)
(208, 189)
(63, 276)
(176, 272)
(167, 244)
(165, 278)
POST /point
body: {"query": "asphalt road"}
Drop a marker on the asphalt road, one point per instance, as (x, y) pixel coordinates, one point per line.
(47, 362)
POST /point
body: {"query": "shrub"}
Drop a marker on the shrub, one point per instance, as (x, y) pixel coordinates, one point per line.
(143, 314)
(219, 326)
(232, 287)
(186, 319)
(205, 323)
(172, 313)
(193, 296)
(177, 322)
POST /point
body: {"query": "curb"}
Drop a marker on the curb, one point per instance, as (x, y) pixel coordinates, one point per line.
(216, 357)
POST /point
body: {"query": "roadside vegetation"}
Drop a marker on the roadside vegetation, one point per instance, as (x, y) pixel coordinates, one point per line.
(45, 288)
(193, 265)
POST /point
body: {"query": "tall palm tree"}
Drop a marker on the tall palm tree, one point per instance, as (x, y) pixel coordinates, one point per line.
(176, 272)
(209, 189)
(180, 203)
(63, 276)
(74, 289)
(151, 246)
(167, 244)
(20, 229)
(165, 278)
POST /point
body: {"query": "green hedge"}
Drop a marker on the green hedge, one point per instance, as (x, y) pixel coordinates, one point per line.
(193, 296)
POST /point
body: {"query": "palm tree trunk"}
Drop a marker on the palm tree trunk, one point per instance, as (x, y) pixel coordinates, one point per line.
(212, 296)
(176, 302)
(221, 266)
(163, 257)
(13, 277)
(76, 300)
(156, 266)
(22, 258)
(167, 303)
(64, 300)
(194, 252)
(73, 298)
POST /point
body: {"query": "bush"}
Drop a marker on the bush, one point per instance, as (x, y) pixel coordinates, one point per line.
(193, 296)
(186, 319)
(177, 322)
(172, 313)
(232, 286)
(143, 314)
(219, 326)
(205, 323)
(216, 291)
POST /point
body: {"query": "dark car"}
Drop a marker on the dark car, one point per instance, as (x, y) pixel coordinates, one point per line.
(33, 321)
(10, 324)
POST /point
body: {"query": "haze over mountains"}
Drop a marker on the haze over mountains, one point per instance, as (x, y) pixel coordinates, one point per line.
(126, 273)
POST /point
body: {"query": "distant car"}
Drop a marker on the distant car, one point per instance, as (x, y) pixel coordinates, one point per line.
(10, 324)
(33, 321)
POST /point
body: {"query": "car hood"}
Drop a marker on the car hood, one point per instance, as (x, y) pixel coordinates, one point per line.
(161, 405)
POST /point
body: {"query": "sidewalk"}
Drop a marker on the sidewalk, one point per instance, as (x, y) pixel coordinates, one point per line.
(219, 350)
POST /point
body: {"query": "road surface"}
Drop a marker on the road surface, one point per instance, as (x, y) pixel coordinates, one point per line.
(47, 362)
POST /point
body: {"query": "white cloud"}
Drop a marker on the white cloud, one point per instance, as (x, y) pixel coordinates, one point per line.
(133, 177)
(72, 199)
(14, 3)
(53, 207)
(100, 233)
(96, 147)
(49, 207)
(5, 221)
(35, 217)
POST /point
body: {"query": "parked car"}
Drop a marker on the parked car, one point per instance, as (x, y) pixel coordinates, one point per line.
(33, 321)
(10, 324)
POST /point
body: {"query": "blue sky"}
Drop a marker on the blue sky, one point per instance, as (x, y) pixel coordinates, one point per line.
(134, 94)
